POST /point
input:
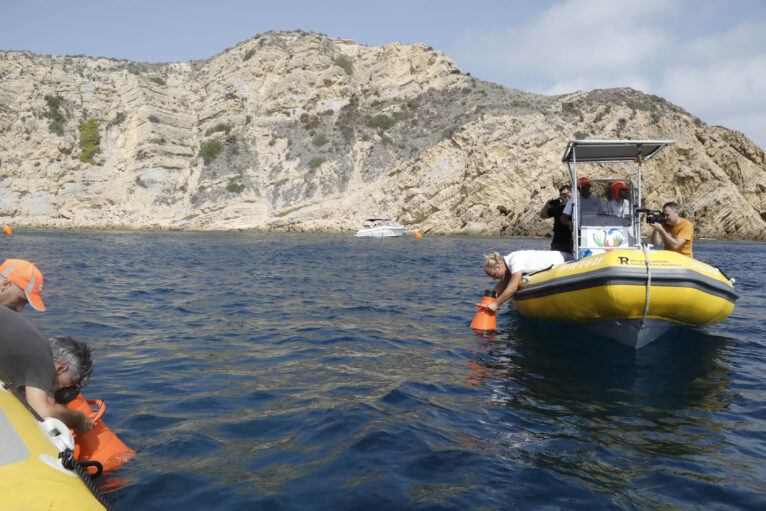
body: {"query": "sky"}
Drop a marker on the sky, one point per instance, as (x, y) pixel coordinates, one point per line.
(706, 56)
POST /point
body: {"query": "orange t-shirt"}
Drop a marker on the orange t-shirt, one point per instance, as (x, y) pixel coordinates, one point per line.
(684, 230)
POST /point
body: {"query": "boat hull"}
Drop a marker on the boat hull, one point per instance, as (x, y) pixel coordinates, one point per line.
(606, 294)
(381, 232)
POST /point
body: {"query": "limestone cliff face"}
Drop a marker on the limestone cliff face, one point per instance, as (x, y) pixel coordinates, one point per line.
(300, 132)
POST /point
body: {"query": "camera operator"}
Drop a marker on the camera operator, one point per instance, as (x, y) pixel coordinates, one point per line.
(675, 232)
(562, 235)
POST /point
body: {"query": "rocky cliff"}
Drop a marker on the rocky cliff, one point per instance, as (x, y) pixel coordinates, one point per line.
(300, 132)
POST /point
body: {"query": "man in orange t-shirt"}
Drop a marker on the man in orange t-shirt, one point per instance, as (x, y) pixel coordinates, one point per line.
(675, 232)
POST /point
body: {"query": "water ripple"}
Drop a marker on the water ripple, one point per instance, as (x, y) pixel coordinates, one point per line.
(284, 371)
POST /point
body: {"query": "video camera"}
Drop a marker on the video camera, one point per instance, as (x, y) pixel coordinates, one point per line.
(652, 216)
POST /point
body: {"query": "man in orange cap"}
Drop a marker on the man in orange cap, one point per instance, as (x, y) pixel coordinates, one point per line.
(26, 360)
(21, 283)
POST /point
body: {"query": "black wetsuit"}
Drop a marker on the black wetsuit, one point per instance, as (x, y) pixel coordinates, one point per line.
(562, 236)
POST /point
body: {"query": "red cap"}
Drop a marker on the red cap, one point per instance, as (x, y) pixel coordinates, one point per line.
(25, 275)
(616, 187)
(582, 181)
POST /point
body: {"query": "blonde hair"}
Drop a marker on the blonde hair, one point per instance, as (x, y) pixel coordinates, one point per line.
(493, 259)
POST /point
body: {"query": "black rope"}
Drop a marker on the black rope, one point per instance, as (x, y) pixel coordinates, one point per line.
(67, 457)
(722, 273)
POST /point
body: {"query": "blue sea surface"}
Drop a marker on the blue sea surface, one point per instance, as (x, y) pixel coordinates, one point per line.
(317, 371)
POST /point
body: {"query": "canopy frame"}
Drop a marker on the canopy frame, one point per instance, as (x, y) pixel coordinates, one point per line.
(609, 151)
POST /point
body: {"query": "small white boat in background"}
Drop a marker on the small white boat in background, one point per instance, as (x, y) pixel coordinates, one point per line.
(380, 228)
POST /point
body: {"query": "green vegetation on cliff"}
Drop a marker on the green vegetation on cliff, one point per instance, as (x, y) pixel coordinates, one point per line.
(346, 63)
(89, 140)
(54, 114)
(226, 128)
(210, 149)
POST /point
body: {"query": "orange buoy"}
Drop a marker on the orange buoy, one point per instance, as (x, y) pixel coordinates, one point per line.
(100, 443)
(417, 235)
(7, 229)
(485, 318)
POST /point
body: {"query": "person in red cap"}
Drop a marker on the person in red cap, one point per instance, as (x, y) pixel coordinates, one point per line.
(619, 204)
(586, 203)
(21, 283)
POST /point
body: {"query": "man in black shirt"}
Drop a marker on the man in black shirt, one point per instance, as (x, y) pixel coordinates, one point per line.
(562, 235)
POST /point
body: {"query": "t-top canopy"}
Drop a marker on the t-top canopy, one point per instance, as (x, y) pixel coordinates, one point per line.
(607, 151)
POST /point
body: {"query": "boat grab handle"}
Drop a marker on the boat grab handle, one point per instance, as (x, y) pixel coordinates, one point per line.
(96, 415)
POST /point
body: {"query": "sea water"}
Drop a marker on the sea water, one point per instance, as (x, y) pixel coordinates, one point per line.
(309, 371)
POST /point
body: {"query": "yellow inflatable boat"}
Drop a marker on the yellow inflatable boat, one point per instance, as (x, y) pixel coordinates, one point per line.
(32, 476)
(617, 286)
(618, 295)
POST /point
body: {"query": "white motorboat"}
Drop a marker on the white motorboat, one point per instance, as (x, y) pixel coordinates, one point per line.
(380, 228)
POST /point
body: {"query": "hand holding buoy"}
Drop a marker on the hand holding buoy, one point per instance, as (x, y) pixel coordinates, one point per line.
(485, 316)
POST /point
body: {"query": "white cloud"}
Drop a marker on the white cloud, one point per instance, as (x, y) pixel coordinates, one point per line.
(724, 86)
(574, 37)
(717, 74)
(747, 123)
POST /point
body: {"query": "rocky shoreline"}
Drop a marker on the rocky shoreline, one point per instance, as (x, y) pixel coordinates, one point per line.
(298, 132)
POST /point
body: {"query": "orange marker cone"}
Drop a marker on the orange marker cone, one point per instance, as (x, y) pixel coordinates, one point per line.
(7, 229)
(485, 318)
(100, 443)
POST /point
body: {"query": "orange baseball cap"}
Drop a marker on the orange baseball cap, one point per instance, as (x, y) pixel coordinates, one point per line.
(616, 187)
(25, 275)
(581, 181)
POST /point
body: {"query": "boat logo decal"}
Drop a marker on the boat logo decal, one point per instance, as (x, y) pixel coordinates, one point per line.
(611, 238)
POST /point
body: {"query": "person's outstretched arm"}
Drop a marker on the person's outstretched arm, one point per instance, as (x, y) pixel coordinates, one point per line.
(46, 406)
(510, 289)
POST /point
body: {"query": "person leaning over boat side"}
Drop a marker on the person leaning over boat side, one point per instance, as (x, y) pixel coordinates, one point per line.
(586, 203)
(509, 269)
(71, 357)
(20, 284)
(562, 235)
(676, 232)
(27, 365)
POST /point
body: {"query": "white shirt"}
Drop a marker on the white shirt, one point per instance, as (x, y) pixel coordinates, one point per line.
(586, 204)
(530, 261)
(614, 209)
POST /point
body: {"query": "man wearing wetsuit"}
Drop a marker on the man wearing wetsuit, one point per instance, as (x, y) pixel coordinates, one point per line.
(562, 235)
